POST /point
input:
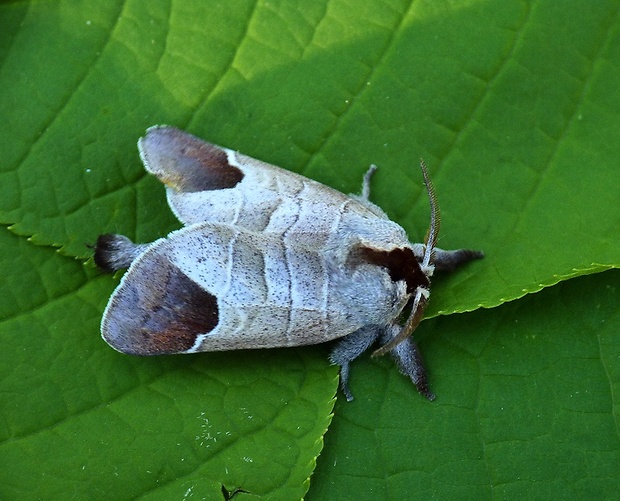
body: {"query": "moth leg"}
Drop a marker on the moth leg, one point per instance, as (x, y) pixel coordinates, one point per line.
(348, 349)
(366, 181)
(410, 363)
(449, 260)
(115, 252)
(364, 197)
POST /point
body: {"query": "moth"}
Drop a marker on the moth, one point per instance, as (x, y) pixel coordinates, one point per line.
(268, 258)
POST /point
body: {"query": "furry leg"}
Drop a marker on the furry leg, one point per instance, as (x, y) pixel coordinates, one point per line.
(348, 349)
(410, 363)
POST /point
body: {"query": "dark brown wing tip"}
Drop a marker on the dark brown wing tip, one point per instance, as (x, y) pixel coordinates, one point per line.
(185, 162)
(158, 310)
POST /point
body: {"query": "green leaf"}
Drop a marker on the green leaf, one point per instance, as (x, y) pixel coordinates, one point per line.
(513, 105)
(78, 417)
(527, 407)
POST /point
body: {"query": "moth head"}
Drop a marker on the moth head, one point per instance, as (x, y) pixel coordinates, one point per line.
(422, 292)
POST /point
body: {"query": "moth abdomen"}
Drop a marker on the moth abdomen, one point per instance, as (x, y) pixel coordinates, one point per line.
(115, 252)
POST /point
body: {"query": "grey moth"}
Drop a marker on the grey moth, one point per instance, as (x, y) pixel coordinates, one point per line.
(268, 258)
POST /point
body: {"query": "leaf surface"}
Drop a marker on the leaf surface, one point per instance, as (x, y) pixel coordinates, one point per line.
(513, 105)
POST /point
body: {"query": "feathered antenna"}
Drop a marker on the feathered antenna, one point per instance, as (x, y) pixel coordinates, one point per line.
(421, 293)
(433, 230)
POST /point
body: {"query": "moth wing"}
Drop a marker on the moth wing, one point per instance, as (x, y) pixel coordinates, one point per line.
(206, 182)
(215, 286)
(157, 309)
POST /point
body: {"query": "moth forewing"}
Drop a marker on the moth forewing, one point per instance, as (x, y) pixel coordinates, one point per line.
(250, 290)
(205, 182)
(267, 258)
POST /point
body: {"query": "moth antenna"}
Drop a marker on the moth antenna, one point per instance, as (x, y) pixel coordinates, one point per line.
(421, 296)
(433, 230)
(417, 310)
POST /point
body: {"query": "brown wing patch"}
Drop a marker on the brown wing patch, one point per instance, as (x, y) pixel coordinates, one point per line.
(400, 263)
(158, 311)
(186, 163)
